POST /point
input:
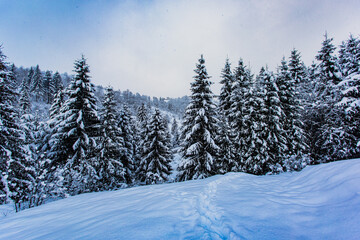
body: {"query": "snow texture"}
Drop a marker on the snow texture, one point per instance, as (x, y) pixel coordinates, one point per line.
(320, 202)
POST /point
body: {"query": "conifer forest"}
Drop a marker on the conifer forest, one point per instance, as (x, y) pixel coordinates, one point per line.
(60, 135)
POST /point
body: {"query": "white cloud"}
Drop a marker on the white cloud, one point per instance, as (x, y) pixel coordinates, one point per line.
(151, 47)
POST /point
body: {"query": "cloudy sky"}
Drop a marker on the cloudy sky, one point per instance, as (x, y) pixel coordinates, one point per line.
(151, 47)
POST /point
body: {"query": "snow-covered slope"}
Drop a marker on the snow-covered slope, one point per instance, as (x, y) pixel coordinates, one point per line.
(320, 202)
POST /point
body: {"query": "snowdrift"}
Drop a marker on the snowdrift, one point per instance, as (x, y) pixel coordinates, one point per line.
(320, 202)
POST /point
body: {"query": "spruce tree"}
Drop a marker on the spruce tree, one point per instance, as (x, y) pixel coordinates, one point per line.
(36, 87)
(275, 137)
(349, 56)
(155, 162)
(327, 135)
(56, 84)
(47, 82)
(59, 99)
(14, 166)
(141, 131)
(227, 80)
(29, 78)
(128, 156)
(12, 75)
(255, 151)
(199, 148)
(111, 147)
(350, 96)
(296, 68)
(226, 159)
(240, 95)
(24, 101)
(175, 134)
(290, 105)
(76, 135)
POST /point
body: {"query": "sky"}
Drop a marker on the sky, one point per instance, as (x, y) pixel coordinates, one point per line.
(151, 47)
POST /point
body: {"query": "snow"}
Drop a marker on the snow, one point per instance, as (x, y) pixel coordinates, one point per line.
(320, 202)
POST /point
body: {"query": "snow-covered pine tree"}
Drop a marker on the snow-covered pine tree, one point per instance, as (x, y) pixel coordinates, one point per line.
(12, 75)
(199, 149)
(141, 131)
(56, 84)
(349, 59)
(255, 151)
(142, 114)
(239, 97)
(274, 133)
(349, 56)
(57, 152)
(297, 68)
(24, 101)
(45, 185)
(155, 162)
(78, 131)
(15, 181)
(298, 73)
(329, 137)
(227, 80)
(290, 105)
(110, 169)
(29, 78)
(47, 82)
(36, 87)
(58, 101)
(226, 159)
(175, 134)
(126, 126)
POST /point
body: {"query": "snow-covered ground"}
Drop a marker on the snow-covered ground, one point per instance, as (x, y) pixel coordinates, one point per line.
(320, 202)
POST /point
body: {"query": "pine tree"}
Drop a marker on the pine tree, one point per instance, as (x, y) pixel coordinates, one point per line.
(226, 159)
(349, 60)
(110, 168)
(290, 105)
(255, 152)
(29, 78)
(240, 94)
(75, 138)
(59, 99)
(46, 185)
(349, 56)
(327, 135)
(128, 157)
(14, 182)
(36, 86)
(155, 163)
(142, 115)
(227, 80)
(24, 101)
(56, 84)
(275, 137)
(175, 134)
(297, 68)
(199, 149)
(141, 131)
(12, 75)
(47, 82)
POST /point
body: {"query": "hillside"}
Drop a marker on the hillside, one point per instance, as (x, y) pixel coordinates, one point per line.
(320, 202)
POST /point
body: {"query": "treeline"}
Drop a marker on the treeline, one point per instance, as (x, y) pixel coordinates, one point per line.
(93, 141)
(41, 86)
